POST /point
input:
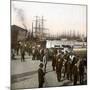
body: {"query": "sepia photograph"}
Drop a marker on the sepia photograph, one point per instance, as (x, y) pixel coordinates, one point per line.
(48, 44)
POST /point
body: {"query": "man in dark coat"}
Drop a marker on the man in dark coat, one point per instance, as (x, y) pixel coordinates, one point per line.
(54, 62)
(41, 76)
(59, 64)
(66, 59)
(75, 74)
(29, 50)
(33, 53)
(68, 70)
(22, 54)
(73, 60)
(81, 71)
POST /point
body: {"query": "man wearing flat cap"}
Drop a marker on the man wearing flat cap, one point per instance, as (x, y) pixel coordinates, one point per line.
(41, 75)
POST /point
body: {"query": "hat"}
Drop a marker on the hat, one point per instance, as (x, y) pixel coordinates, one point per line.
(41, 65)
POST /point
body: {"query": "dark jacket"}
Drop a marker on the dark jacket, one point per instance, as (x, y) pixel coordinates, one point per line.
(81, 67)
(59, 64)
(54, 60)
(41, 75)
(75, 70)
(68, 67)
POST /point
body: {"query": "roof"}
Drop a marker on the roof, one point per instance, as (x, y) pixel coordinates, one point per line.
(15, 27)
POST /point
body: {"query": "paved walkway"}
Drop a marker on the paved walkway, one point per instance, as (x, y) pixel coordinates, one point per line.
(24, 74)
(18, 67)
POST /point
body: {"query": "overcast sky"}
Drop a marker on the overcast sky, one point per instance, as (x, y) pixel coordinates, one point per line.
(59, 17)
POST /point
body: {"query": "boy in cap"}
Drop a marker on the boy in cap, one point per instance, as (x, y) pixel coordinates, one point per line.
(41, 75)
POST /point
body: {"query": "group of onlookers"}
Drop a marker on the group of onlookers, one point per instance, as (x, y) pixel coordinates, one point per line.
(67, 65)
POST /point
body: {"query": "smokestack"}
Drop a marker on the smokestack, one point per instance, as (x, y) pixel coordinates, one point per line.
(20, 14)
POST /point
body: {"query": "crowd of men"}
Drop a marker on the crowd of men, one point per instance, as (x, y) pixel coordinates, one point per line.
(66, 64)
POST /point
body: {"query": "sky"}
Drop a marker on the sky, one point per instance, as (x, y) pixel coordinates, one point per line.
(59, 18)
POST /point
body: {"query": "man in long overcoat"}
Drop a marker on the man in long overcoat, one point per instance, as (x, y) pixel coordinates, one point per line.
(75, 74)
(54, 62)
(59, 64)
(81, 71)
